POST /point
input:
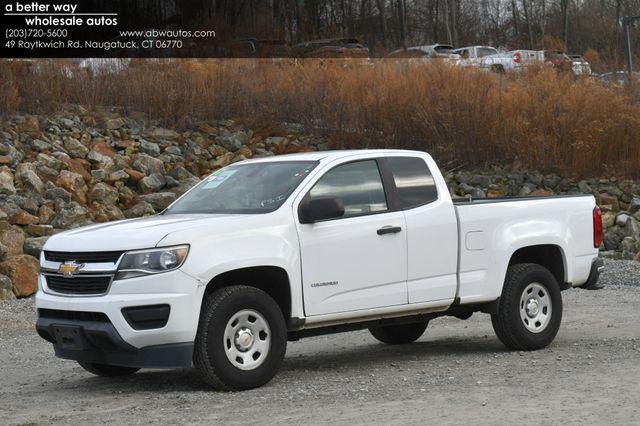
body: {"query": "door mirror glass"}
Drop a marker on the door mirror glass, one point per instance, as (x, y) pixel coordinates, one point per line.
(318, 209)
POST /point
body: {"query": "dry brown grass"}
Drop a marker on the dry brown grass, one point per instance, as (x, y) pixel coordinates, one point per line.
(541, 119)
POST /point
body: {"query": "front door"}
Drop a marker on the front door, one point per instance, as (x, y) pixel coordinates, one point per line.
(357, 261)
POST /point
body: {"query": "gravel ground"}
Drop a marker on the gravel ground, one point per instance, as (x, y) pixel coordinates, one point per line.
(457, 372)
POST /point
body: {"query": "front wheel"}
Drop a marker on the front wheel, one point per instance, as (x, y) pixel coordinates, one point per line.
(241, 339)
(105, 370)
(399, 334)
(530, 308)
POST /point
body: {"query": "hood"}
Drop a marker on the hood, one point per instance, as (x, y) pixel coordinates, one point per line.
(131, 234)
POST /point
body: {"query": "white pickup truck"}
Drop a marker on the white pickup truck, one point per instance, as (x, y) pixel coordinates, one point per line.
(488, 58)
(271, 250)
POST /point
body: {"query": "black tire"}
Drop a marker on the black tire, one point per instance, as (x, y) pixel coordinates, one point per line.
(209, 357)
(105, 370)
(399, 334)
(508, 323)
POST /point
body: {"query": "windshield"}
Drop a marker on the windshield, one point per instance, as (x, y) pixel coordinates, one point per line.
(244, 188)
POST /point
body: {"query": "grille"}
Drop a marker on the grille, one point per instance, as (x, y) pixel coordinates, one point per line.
(73, 315)
(83, 257)
(79, 284)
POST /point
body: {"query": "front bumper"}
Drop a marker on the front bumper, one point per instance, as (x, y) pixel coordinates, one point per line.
(99, 342)
(115, 339)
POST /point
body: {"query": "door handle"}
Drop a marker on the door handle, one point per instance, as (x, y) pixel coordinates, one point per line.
(389, 230)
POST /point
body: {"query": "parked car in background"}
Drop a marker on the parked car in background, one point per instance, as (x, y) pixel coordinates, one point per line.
(558, 59)
(434, 51)
(619, 78)
(486, 57)
(579, 66)
(331, 48)
(475, 55)
(258, 48)
(500, 63)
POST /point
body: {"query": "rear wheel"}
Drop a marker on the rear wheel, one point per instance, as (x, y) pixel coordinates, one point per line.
(241, 339)
(530, 308)
(399, 334)
(105, 370)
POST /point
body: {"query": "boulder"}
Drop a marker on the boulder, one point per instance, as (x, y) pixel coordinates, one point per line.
(75, 148)
(106, 213)
(74, 183)
(12, 238)
(104, 194)
(152, 183)
(150, 148)
(97, 158)
(72, 215)
(622, 219)
(148, 165)
(608, 219)
(4, 252)
(39, 230)
(613, 237)
(134, 175)
(39, 145)
(50, 161)
(33, 246)
(222, 161)
(46, 214)
(29, 179)
(467, 189)
(22, 270)
(234, 141)
(117, 176)
(161, 133)
(139, 209)
(57, 193)
(6, 183)
(114, 123)
(159, 200)
(6, 288)
(17, 216)
(180, 173)
(606, 199)
(634, 205)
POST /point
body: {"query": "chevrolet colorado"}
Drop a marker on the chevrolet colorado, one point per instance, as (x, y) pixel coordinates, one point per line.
(272, 250)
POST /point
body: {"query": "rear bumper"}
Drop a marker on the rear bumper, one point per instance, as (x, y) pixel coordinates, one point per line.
(99, 342)
(594, 275)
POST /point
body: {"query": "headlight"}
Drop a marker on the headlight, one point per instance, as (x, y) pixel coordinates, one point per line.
(150, 262)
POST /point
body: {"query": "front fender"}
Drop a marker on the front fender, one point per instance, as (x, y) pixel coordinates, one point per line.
(257, 240)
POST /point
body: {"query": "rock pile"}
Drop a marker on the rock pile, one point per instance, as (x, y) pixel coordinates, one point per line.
(78, 167)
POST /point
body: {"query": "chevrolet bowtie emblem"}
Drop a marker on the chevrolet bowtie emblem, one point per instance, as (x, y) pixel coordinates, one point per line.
(69, 269)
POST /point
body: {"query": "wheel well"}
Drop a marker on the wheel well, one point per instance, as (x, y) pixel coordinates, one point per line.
(273, 280)
(549, 256)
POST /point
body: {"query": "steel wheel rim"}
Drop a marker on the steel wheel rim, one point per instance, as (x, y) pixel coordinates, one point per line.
(535, 307)
(247, 339)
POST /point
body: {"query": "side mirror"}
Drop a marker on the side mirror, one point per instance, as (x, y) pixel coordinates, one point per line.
(320, 209)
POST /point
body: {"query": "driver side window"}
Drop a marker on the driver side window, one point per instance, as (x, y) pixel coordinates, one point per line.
(358, 185)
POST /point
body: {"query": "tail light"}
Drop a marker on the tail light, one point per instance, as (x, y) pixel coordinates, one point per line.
(597, 227)
(517, 57)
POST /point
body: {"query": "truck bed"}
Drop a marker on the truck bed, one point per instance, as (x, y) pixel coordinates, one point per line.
(491, 230)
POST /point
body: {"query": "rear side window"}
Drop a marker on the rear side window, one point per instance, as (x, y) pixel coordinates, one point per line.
(358, 185)
(414, 182)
